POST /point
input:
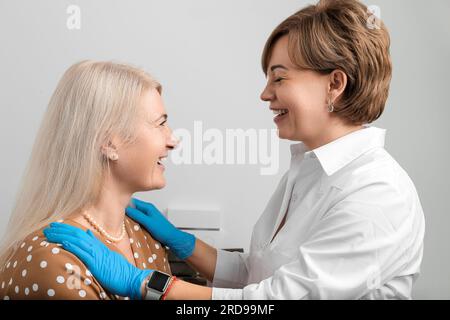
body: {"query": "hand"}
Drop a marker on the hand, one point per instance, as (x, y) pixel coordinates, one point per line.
(111, 269)
(181, 243)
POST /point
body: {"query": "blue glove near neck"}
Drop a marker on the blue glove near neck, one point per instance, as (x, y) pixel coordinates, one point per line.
(111, 269)
(181, 243)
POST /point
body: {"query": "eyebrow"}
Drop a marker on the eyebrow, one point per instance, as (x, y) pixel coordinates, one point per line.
(278, 66)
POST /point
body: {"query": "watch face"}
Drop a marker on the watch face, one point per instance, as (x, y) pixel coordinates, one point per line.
(158, 281)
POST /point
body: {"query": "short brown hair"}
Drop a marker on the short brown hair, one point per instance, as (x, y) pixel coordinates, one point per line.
(334, 34)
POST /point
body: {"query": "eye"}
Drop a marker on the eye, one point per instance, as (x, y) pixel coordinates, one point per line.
(278, 80)
(163, 123)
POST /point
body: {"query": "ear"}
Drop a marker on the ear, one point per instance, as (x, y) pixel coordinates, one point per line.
(337, 84)
(110, 150)
(108, 147)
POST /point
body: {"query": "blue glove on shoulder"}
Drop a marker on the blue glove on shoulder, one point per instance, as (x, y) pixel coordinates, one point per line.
(111, 269)
(181, 243)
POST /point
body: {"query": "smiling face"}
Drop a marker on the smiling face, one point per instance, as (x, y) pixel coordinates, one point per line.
(139, 166)
(299, 98)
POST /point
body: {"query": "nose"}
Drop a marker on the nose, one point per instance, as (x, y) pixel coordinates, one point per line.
(172, 141)
(267, 94)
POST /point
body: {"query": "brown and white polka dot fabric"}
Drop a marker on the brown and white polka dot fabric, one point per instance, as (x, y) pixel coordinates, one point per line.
(42, 270)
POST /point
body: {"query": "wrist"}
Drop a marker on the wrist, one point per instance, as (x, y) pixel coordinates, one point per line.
(138, 284)
(143, 288)
(157, 285)
(183, 245)
(169, 287)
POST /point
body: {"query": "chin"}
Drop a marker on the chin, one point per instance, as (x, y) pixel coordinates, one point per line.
(159, 186)
(282, 134)
(288, 134)
(156, 185)
(153, 185)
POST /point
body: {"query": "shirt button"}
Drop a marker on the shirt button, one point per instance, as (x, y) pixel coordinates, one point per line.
(294, 197)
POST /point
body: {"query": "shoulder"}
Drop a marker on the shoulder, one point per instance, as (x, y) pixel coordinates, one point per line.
(376, 187)
(42, 270)
(372, 172)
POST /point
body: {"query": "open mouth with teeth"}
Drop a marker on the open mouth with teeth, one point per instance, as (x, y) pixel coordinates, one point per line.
(280, 114)
(161, 161)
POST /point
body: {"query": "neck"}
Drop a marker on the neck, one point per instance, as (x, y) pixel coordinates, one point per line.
(338, 131)
(109, 208)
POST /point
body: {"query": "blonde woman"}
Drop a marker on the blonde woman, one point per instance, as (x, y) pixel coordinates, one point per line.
(345, 221)
(102, 138)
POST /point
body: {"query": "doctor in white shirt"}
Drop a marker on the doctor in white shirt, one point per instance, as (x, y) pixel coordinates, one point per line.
(345, 221)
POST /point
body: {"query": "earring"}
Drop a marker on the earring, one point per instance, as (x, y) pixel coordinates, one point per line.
(109, 152)
(330, 106)
(113, 156)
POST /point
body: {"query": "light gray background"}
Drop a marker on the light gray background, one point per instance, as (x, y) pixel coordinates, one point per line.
(207, 55)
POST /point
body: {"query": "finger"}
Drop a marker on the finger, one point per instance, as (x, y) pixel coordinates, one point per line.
(80, 234)
(67, 227)
(95, 240)
(131, 203)
(135, 214)
(143, 206)
(84, 256)
(60, 238)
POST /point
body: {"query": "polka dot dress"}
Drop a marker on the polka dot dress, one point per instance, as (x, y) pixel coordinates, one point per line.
(42, 270)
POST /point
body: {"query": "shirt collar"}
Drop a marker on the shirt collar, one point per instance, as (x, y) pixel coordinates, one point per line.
(340, 152)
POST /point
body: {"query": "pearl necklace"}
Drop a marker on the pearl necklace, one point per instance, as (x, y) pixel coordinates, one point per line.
(91, 220)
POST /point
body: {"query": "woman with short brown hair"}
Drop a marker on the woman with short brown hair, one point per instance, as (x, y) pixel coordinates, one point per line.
(340, 35)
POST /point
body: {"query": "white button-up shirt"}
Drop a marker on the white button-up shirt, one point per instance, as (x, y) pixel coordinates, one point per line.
(354, 229)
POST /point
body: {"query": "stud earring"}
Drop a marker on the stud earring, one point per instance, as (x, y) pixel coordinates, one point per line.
(113, 156)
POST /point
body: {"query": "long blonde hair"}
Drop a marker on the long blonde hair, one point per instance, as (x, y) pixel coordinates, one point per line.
(92, 102)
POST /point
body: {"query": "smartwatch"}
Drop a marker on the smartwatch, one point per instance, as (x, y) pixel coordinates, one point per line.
(157, 285)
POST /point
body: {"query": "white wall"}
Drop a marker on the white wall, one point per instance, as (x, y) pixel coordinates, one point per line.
(207, 55)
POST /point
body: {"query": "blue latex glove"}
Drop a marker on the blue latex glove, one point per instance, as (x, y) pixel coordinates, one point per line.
(181, 243)
(111, 269)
